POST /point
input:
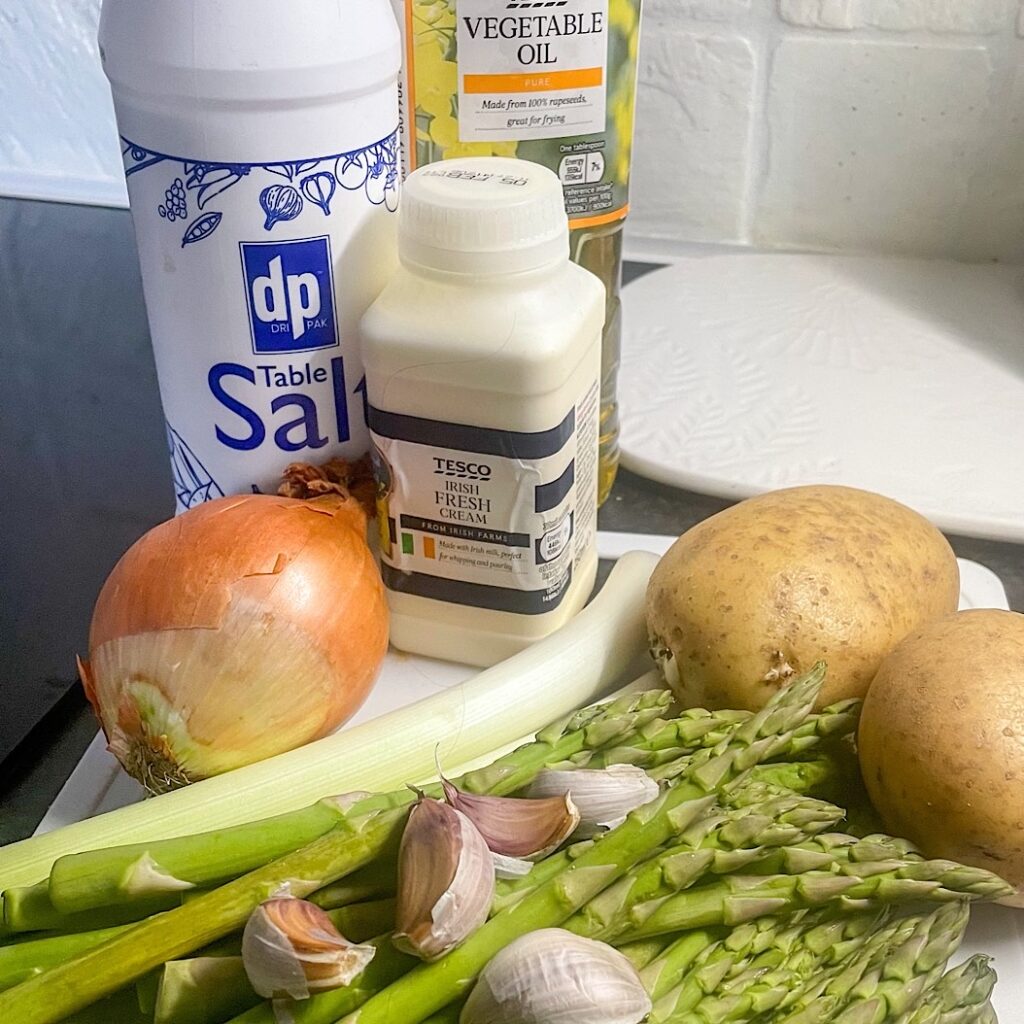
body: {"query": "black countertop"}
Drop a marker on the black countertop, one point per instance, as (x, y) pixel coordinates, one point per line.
(83, 473)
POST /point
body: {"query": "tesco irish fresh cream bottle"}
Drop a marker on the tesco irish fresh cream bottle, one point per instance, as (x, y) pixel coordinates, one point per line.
(261, 153)
(483, 360)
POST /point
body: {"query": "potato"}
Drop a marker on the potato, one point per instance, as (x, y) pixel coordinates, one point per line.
(766, 588)
(941, 741)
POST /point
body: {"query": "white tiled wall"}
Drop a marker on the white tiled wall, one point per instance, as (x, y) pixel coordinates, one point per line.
(872, 125)
(880, 125)
(57, 134)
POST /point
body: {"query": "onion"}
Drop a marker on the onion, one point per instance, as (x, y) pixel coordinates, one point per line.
(243, 628)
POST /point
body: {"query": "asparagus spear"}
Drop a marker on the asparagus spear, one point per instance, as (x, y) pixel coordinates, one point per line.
(722, 842)
(430, 987)
(740, 898)
(900, 964)
(663, 973)
(27, 908)
(642, 953)
(661, 745)
(759, 960)
(375, 880)
(203, 990)
(122, 1008)
(752, 817)
(326, 1007)
(25, 959)
(961, 996)
(696, 729)
(818, 777)
(99, 878)
(357, 922)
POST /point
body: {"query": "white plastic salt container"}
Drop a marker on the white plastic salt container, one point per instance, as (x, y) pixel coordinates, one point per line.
(261, 152)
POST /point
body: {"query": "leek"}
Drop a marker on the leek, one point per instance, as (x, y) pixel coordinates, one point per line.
(574, 666)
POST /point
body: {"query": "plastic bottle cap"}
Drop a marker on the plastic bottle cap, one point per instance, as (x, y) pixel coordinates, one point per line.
(483, 215)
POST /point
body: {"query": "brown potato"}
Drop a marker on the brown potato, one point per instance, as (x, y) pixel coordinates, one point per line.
(942, 741)
(766, 588)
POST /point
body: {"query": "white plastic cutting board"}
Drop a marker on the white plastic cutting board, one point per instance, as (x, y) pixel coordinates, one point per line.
(98, 784)
(744, 373)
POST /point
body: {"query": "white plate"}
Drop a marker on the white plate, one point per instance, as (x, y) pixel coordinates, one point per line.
(743, 373)
(97, 783)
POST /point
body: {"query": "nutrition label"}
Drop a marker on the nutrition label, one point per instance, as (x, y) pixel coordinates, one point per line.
(531, 70)
(483, 517)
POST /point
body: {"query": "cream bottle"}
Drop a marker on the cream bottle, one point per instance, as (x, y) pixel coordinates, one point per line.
(483, 359)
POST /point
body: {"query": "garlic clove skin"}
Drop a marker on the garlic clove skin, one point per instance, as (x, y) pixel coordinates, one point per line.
(603, 796)
(552, 976)
(513, 827)
(510, 867)
(445, 881)
(291, 948)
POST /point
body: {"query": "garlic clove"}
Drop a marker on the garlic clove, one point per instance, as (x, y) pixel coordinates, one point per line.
(603, 796)
(290, 947)
(515, 827)
(445, 880)
(552, 976)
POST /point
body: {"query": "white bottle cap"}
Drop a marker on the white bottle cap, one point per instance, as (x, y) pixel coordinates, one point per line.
(483, 214)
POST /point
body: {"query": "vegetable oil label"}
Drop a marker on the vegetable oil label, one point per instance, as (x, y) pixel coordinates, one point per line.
(531, 71)
(255, 277)
(552, 82)
(482, 517)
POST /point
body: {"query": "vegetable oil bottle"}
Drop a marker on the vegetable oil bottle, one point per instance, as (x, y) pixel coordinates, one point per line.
(483, 358)
(260, 148)
(550, 82)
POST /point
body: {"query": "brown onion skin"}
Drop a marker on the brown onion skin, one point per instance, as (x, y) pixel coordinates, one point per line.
(309, 557)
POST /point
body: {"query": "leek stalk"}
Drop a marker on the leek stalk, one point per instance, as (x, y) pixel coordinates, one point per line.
(575, 666)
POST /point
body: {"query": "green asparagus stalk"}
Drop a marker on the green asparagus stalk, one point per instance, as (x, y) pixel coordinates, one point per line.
(26, 959)
(723, 842)
(837, 720)
(99, 878)
(890, 977)
(203, 990)
(642, 953)
(357, 922)
(376, 880)
(696, 729)
(146, 990)
(960, 996)
(120, 1008)
(661, 743)
(664, 972)
(740, 898)
(753, 817)
(102, 878)
(767, 953)
(27, 908)
(95, 973)
(326, 1007)
(428, 988)
(819, 777)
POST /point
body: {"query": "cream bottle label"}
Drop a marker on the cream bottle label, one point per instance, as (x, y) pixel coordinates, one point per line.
(483, 517)
(531, 71)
